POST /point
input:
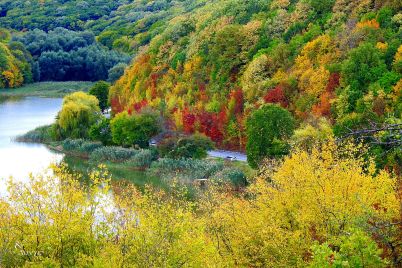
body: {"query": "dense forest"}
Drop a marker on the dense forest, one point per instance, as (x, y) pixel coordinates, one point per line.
(330, 63)
(122, 25)
(309, 90)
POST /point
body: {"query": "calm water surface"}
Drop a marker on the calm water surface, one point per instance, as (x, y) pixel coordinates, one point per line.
(18, 117)
(18, 160)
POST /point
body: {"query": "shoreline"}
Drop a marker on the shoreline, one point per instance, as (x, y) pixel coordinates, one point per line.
(45, 89)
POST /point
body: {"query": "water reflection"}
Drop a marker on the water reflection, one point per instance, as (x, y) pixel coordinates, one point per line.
(18, 116)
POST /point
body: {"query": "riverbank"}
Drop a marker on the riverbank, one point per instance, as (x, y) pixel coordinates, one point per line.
(143, 166)
(45, 89)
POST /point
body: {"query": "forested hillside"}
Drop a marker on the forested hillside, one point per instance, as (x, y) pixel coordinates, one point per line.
(124, 25)
(212, 67)
(310, 90)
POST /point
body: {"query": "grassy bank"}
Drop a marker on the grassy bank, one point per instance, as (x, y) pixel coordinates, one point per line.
(45, 89)
(142, 166)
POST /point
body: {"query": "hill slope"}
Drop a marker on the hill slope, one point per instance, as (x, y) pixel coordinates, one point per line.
(125, 24)
(214, 65)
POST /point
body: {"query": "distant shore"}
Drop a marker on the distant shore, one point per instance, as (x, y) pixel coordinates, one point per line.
(45, 89)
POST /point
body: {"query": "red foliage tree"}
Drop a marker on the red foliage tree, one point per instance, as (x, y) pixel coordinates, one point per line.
(137, 107)
(211, 125)
(323, 108)
(333, 82)
(238, 97)
(188, 121)
(153, 82)
(276, 95)
(117, 107)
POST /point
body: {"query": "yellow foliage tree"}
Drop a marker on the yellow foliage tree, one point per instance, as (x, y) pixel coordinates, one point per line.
(311, 197)
(310, 66)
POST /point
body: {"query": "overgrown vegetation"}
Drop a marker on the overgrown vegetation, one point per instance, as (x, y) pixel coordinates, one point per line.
(304, 212)
(310, 89)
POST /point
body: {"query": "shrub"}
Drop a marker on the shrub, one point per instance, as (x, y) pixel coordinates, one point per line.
(72, 145)
(355, 250)
(185, 169)
(195, 146)
(80, 145)
(143, 159)
(89, 146)
(101, 131)
(113, 154)
(116, 72)
(234, 176)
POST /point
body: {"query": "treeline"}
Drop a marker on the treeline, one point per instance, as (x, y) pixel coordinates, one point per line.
(122, 25)
(64, 55)
(210, 69)
(59, 55)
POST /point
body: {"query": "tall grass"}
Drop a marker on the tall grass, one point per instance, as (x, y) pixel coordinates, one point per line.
(38, 135)
(113, 154)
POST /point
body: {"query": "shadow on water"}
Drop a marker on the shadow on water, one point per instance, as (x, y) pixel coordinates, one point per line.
(137, 177)
(122, 175)
(5, 98)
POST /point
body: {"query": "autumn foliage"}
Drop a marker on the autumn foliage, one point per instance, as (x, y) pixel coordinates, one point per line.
(297, 213)
(276, 95)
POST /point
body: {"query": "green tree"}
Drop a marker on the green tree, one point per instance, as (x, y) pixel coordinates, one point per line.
(101, 132)
(363, 66)
(355, 250)
(101, 91)
(267, 130)
(78, 113)
(116, 72)
(137, 129)
(195, 146)
(5, 35)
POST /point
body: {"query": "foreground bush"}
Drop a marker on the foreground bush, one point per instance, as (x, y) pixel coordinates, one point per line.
(309, 199)
(47, 223)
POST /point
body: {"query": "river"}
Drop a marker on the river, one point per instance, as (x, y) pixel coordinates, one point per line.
(18, 116)
(18, 160)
